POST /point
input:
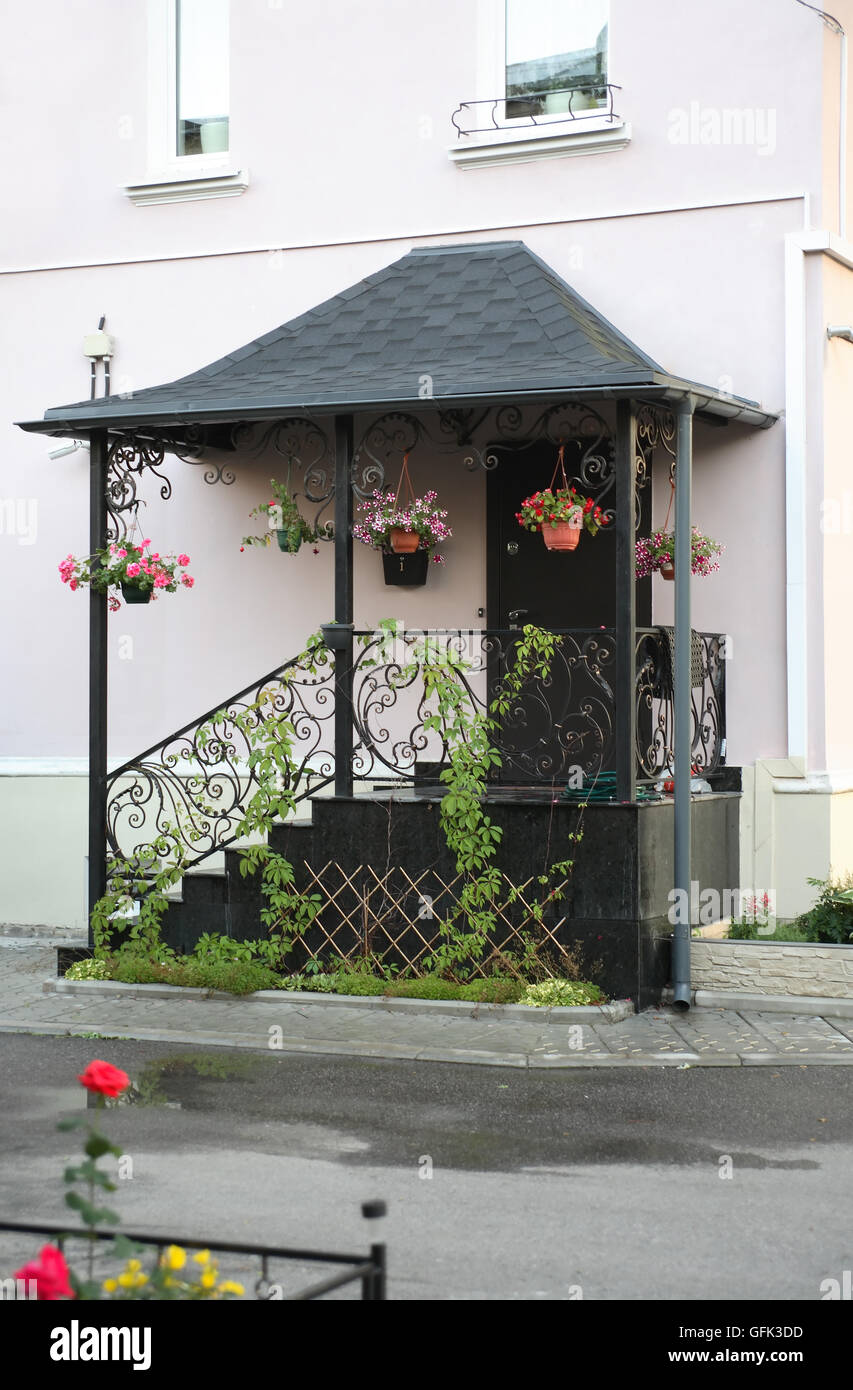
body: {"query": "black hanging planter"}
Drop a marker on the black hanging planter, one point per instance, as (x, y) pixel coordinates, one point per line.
(131, 593)
(409, 570)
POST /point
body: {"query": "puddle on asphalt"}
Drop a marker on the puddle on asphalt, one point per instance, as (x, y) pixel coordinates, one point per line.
(155, 1084)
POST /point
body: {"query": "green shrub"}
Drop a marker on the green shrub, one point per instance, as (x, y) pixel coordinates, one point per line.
(497, 990)
(358, 983)
(561, 994)
(90, 969)
(831, 918)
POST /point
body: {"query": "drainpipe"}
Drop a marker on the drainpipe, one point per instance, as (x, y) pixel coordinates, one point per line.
(683, 715)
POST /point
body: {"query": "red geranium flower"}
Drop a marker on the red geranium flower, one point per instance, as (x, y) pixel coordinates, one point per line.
(104, 1078)
(49, 1273)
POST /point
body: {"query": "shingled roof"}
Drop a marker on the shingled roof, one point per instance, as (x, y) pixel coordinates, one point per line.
(483, 321)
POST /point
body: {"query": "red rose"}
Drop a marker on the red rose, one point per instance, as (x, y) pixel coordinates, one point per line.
(50, 1274)
(104, 1078)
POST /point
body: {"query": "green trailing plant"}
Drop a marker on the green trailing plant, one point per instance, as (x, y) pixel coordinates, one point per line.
(282, 514)
(469, 738)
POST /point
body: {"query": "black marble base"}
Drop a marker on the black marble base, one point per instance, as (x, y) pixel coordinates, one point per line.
(615, 908)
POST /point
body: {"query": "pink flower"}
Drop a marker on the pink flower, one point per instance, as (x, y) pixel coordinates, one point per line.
(143, 544)
(123, 554)
(132, 571)
(187, 580)
(160, 580)
(49, 1273)
(74, 584)
(183, 559)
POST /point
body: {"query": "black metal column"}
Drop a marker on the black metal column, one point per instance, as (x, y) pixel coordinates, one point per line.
(343, 603)
(626, 601)
(97, 679)
(683, 735)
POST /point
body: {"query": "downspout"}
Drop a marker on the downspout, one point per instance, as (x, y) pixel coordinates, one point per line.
(683, 715)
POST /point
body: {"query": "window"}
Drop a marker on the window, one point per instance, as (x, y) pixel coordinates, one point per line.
(190, 144)
(542, 86)
(556, 56)
(201, 76)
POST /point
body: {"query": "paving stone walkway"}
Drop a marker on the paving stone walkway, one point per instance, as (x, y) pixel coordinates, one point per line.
(658, 1037)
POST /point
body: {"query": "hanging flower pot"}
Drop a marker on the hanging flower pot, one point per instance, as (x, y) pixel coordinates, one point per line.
(657, 553)
(410, 570)
(290, 539)
(562, 535)
(405, 528)
(132, 566)
(285, 519)
(560, 514)
(131, 593)
(404, 542)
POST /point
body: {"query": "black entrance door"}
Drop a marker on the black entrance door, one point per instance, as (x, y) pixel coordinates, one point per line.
(566, 723)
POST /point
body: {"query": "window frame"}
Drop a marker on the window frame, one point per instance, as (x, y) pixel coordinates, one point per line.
(544, 118)
(164, 162)
(515, 139)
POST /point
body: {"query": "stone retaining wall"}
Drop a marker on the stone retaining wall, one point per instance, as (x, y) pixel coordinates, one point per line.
(766, 967)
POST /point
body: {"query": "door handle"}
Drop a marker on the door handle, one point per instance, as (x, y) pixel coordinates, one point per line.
(514, 614)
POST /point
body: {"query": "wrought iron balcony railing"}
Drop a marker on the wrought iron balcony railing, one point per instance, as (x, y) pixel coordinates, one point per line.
(567, 106)
(201, 778)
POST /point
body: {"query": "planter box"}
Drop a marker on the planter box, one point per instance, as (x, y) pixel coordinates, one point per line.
(773, 967)
(409, 570)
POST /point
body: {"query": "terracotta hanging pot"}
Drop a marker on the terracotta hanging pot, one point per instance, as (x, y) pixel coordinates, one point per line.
(131, 593)
(404, 542)
(564, 536)
(667, 571)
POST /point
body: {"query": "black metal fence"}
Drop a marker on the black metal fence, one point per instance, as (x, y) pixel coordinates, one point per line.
(368, 1269)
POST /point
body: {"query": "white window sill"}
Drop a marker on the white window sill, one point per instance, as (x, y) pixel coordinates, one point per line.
(182, 188)
(517, 145)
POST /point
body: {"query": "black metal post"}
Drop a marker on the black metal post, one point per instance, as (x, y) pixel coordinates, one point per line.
(683, 715)
(626, 601)
(97, 679)
(343, 603)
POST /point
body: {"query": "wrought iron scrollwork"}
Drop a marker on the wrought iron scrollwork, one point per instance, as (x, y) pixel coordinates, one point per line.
(655, 715)
(562, 721)
(197, 783)
(304, 446)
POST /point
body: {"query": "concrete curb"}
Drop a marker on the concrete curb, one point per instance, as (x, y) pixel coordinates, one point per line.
(586, 1013)
(802, 1004)
(532, 1061)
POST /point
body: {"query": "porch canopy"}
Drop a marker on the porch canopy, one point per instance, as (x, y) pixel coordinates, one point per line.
(485, 323)
(441, 329)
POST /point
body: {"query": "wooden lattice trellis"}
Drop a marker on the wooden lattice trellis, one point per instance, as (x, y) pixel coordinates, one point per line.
(397, 918)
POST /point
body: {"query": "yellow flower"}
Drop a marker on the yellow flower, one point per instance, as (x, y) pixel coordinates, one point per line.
(175, 1257)
(228, 1286)
(202, 1258)
(208, 1278)
(110, 1285)
(126, 1280)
